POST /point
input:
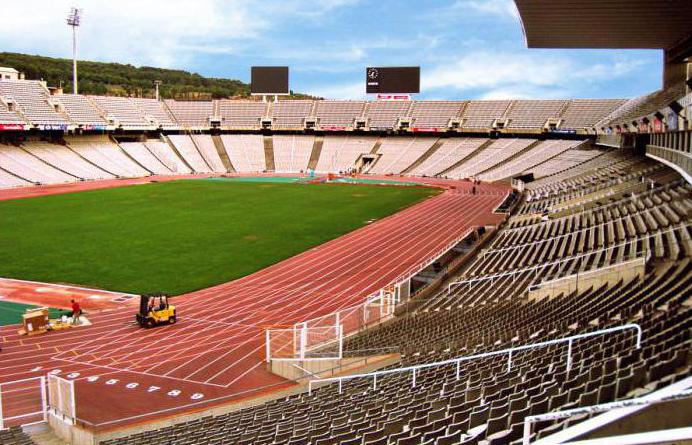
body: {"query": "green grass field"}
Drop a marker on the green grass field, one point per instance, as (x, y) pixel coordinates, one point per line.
(181, 236)
(11, 313)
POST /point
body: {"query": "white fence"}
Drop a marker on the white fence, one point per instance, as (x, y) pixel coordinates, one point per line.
(537, 268)
(61, 399)
(303, 343)
(297, 342)
(510, 352)
(23, 402)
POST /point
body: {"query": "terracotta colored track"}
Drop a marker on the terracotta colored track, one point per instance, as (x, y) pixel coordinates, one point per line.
(59, 296)
(215, 352)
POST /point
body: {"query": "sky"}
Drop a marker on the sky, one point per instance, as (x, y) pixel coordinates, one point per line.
(467, 49)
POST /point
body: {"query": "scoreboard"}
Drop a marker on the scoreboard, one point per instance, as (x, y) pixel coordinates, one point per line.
(388, 80)
(269, 80)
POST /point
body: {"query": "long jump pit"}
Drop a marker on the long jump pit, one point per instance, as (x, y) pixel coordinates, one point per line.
(117, 377)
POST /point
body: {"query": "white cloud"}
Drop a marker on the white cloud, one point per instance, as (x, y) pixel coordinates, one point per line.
(166, 33)
(520, 75)
(475, 9)
(353, 91)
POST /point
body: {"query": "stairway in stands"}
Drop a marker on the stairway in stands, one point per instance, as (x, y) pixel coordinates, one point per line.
(467, 157)
(425, 156)
(269, 153)
(516, 155)
(42, 434)
(218, 143)
(316, 152)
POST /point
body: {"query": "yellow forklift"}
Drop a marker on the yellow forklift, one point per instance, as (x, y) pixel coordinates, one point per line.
(154, 310)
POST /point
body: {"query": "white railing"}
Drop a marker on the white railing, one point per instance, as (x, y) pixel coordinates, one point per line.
(630, 403)
(23, 396)
(540, 266)
(377, 307)
(599, 207)
(457, 361)
(303, 343)
(585, 229)
(585, 274)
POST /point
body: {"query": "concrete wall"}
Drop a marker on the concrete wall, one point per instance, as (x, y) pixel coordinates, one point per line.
(300, 369)
(69, 433)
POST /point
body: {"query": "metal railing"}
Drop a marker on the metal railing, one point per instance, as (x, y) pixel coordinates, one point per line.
(676, 227)
(600, 207)
(678, 159)
(604, 407)
(572, 233)
(537, 282)
(457, 361)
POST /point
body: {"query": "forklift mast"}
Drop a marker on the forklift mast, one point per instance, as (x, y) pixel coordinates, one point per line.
(144, 305)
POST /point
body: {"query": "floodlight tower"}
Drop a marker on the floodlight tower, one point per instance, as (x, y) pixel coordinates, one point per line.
(156, 85)
(74, 20)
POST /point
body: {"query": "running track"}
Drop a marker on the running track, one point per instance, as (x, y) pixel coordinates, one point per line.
(215, 353)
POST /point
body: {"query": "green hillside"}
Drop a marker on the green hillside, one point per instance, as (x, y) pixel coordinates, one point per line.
(124, 80)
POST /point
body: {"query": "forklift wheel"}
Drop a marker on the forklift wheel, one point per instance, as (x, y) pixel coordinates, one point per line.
(149, 323)
(171, 320)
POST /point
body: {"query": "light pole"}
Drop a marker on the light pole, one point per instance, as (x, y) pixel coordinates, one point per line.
(156, 84)
(74, 20)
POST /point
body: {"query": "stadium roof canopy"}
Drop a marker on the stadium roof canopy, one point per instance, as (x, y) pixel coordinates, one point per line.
(624, 24)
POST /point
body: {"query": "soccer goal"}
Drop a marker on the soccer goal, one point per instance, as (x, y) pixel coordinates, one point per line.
(303, 342)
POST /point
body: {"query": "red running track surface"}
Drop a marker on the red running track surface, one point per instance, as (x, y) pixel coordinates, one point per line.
(215, 353)
(59, 296)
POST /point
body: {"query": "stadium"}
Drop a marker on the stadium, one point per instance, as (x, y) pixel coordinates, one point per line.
(275, 269)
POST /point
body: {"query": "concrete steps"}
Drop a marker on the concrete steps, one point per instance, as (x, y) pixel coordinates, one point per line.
(177, 153)
(425, 156)
(513, 157)
(269, 153)
(316, 152)
(221, 150)
(41, 434)
(466, 158)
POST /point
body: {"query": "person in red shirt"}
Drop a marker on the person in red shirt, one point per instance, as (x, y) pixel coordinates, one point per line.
(76, 312)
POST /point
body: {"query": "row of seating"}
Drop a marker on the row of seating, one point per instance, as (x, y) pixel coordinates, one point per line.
(450, 153)
(15, 436)
(648, 176)
(32, 103)
(292, 152)
(95, 158)
(340, 153)
(645, 112)
(398, 154)
(611, 169)
(246, 152)
(562, 162)
(190, 154)
(484, 401)
(92, 158)
(527, 161)
(499, 151)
